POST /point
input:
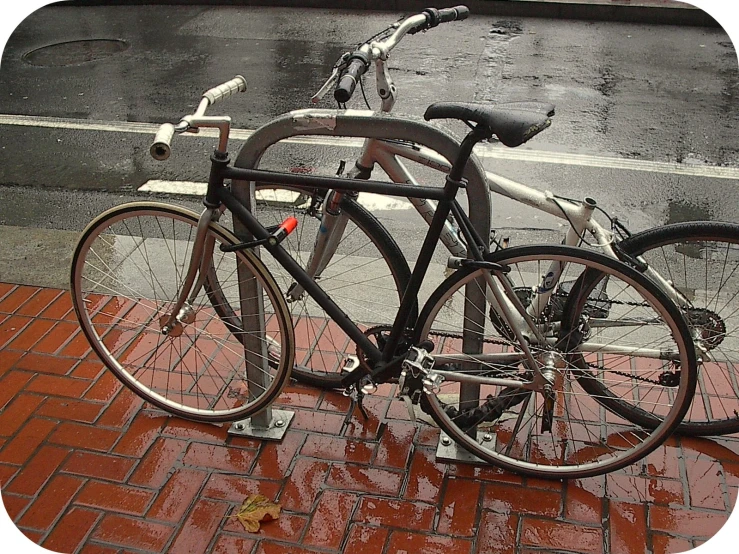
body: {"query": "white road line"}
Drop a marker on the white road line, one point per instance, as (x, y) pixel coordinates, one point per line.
(483, 151)
(373, 202)
(174, 187)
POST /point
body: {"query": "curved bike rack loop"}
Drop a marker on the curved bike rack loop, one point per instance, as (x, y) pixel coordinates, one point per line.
(363, 124)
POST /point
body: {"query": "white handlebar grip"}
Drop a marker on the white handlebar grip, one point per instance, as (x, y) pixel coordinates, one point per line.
(237, 84)
(161, 149)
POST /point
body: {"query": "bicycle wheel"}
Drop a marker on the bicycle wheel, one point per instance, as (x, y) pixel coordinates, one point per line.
(366, 278)
(555, 429)
(701, 260)
(127, 272)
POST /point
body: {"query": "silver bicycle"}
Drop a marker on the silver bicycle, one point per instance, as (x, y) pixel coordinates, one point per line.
(344, 247)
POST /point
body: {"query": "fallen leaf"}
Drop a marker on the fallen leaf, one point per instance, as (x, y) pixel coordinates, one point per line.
(255, 509)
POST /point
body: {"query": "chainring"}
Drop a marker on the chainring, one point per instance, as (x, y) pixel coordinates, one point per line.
(379, 336)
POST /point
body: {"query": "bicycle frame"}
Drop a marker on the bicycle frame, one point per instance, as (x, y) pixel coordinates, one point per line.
(370, 126)
(579, 215)
(218, 194)
(413, 140)
(386, 154)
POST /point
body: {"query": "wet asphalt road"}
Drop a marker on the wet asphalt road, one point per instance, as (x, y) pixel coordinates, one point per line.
(623, 91)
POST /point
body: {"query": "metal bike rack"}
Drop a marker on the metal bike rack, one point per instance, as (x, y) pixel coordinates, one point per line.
(272, 424)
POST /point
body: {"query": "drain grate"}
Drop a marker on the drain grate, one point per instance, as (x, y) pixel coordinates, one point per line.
(74, 52)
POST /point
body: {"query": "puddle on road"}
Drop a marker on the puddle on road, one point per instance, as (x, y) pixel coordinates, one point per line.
(679, 211)
(493, 59)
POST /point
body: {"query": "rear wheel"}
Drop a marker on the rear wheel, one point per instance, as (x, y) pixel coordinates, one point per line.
(555, 430)
(701, 261)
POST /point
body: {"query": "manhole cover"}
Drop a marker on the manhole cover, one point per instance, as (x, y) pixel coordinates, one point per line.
(75, 52)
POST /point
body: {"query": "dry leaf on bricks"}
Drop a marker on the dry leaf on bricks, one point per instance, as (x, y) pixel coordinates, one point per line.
(255, 509)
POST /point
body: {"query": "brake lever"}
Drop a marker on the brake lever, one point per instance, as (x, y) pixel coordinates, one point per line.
(326, 86)
(331, 82)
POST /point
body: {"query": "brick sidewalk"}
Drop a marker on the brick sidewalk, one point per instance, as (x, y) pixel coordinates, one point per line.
(87, 467)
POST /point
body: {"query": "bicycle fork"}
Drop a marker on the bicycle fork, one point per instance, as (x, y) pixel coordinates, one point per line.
(201, 259)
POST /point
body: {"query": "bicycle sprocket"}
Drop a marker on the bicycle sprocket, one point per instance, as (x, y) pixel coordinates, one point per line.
(711, 325)
(379, 336)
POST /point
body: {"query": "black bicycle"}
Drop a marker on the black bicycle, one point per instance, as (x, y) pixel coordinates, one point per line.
(186, 313)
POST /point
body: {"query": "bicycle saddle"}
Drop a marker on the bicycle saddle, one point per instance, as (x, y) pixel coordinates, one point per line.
(512, 122)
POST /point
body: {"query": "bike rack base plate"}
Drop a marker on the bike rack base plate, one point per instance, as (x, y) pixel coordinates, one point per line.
(275, 431)
(449, 451)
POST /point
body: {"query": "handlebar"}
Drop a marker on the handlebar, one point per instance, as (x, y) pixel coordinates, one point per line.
(237, 84)
(358, 64)
(161, 147)
(457, 13)
(351, 67)
(444, 15)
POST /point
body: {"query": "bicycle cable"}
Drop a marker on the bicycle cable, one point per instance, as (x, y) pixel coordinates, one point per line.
(364, 95)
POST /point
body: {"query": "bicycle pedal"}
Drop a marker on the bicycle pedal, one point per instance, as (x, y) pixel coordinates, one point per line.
(294, 293)
(418, 361)
(455, 262)
(364, 387)
(427, 345)
(350, 364)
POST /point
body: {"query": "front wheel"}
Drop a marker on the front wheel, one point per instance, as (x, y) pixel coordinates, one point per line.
(366, 277)
(559, 430)
(127, 272)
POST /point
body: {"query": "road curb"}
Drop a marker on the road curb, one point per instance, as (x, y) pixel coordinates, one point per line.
(622, 11)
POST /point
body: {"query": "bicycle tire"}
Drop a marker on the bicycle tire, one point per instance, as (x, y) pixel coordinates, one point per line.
(323, 348)
(583, 439)
(701, 259)
(127, 271)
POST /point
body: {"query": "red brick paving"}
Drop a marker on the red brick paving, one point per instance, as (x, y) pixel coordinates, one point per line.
(86, 467)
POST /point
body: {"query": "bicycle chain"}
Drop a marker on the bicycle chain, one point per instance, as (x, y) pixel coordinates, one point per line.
(591, 365)
(624, 374)
(493, 407)
(619, 302)
(453, 336)
(504, 342)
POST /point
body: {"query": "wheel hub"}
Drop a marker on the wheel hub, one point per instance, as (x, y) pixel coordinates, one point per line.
(185, 316)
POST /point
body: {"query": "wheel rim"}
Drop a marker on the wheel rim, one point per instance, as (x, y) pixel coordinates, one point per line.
(127, 272)
(701, 260)
(586, 439)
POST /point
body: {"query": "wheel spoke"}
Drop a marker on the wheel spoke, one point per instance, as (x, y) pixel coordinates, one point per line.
(127, 273)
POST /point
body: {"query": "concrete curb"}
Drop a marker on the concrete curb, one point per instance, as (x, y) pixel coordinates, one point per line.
(624, 12)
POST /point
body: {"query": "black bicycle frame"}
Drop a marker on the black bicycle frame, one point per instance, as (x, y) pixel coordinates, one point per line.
(446, 197)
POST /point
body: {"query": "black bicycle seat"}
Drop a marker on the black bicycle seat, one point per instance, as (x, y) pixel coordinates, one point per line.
(512, 122)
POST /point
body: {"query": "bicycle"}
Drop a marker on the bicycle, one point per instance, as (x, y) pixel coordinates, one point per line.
(696, 264)
(177, 336)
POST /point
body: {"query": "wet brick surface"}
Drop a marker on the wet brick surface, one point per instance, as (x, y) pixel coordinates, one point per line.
(87, 467)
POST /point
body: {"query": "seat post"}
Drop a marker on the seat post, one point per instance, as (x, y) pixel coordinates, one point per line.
(477, 134)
